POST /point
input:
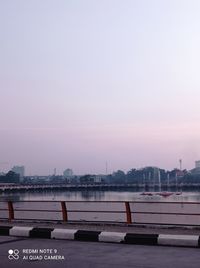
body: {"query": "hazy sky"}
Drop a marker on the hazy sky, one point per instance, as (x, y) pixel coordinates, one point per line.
(83, 82)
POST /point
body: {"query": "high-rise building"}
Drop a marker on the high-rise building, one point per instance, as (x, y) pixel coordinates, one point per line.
(196, 170)
(197, 164)
(19, 170)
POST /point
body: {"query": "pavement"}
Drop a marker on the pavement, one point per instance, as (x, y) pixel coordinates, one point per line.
(111, 227)
(36, 253)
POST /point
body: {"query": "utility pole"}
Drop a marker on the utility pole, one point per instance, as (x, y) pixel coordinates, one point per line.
(180, 162)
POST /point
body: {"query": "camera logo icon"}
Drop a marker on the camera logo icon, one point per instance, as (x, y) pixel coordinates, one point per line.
(13, 254)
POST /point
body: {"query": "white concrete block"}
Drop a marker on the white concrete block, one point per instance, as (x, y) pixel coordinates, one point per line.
(63, 234)
(111, 237)
(178, 240)
(20, 231)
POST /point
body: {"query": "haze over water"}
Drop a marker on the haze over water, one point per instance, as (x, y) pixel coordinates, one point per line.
(85, 82)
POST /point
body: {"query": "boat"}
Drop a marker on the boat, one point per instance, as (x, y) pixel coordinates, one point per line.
(165, 194)
(147, 193)
(178, 193)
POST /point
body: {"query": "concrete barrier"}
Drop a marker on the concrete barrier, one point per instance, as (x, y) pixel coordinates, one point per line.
(63, 234)
(178, 240)
(95, 236)
(20, 231)
(41, 232)
(111, 237)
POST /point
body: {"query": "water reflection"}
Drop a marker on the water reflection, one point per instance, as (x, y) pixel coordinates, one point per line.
(97, 196)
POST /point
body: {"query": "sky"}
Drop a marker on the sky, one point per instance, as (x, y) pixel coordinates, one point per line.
(85, 82)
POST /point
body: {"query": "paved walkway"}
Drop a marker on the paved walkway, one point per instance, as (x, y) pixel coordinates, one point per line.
(95, 255)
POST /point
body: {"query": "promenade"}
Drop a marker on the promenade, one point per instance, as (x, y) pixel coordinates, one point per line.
(29, 236)
(63, 251)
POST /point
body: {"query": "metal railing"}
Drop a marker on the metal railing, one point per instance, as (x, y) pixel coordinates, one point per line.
(128, 212)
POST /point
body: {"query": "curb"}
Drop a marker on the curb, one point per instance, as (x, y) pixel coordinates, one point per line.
(95, 236)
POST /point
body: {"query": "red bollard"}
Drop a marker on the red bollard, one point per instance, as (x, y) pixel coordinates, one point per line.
(128, 213)
(64, 211)
(10, 211)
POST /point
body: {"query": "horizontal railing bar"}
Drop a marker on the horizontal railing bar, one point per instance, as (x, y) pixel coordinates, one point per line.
(37, 219)
(34, 219)
(117, 212)
(110, 211)
(134, 202)
(96, 211)
(37, 210)
(93, 211)
(162, 202)
(58, 201)
(166, 213)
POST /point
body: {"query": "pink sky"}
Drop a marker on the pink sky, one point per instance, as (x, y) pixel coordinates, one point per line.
(85, 82)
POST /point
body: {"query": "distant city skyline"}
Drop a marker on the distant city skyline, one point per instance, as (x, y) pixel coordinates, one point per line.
(20, 169)
(87, 82)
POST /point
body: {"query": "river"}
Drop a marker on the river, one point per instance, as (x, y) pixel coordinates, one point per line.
(91, 195)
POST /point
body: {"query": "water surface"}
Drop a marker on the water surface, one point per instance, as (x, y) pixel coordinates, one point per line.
(91, 195)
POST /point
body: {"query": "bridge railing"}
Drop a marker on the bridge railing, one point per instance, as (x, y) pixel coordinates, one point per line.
(129, 212)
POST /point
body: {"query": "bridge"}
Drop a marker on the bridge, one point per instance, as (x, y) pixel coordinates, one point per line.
(92, 186)
(13, 187)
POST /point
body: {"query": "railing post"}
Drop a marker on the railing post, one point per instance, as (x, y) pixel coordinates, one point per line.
(10, 211)
(64, 211)
(128, 213)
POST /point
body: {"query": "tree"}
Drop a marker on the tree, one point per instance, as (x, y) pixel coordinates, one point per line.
(119, 176)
